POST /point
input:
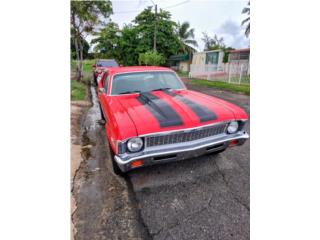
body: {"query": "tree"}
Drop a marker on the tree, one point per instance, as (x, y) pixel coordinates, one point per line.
(127, 44)
(226, 53)
(207, 41)
(216, 43)
(86, 48)
(85, 16)
(212, 43)
(186, 37)
(107, 40)
(167, 41)
(246, 10)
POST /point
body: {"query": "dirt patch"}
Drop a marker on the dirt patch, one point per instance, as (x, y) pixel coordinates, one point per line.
(78, 109)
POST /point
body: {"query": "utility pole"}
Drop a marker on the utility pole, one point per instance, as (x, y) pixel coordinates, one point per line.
(155, 30)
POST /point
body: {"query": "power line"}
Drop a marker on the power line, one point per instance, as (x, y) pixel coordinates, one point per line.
(176, 5)
(133, 11)
(171, 6)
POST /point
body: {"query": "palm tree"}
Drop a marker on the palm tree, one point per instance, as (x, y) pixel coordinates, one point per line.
(247, 11)
(186, 37)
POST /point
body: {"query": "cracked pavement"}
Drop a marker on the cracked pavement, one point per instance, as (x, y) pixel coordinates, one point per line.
(202, 198)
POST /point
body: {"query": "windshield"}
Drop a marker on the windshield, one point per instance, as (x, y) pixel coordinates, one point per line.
(144, 82)
(107, 63)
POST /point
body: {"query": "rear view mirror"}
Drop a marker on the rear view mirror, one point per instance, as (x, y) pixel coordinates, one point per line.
(102, 90)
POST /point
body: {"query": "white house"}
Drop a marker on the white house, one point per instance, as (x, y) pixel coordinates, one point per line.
(202, 62)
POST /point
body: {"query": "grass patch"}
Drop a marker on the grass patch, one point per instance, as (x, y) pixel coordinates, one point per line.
(86, 64)
(245, 80)
(78, 91)
(182, 74)
(223, 85)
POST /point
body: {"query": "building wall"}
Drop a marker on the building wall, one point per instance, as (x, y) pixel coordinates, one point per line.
(184, 66)
(199, 58)
(202, 57)
(220, 60)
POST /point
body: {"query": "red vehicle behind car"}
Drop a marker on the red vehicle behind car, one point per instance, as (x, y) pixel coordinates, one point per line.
(102, 65)
(152, 118)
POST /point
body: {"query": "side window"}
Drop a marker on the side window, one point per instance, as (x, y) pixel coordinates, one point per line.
(106, 83)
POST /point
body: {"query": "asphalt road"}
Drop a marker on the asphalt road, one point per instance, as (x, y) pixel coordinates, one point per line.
(202, 198)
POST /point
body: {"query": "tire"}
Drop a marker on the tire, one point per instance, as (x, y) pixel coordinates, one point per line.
(115, 166)
(101, 112)
(94, 80)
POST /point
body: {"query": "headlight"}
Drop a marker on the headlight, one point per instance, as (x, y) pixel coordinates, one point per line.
(232, 127)
(135, 144)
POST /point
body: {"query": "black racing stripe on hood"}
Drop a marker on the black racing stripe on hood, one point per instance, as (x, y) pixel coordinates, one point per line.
(201, 111)
(161, 110)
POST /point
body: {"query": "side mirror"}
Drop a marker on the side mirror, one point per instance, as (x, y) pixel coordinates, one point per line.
(102, 90)
(120, 65)
(93, 65)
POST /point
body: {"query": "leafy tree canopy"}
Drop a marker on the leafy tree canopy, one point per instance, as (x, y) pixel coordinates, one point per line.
(85, 16)
(212, 43)
(167, 41)
(107, 41)
(186, 37)
(125, 45)
(246, 10)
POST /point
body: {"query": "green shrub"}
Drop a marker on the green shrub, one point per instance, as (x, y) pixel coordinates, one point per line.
(151, 58)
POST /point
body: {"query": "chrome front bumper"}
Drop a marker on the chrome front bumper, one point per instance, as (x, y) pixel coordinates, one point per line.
(180, 151)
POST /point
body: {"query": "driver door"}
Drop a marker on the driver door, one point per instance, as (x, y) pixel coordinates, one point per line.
(102, 95)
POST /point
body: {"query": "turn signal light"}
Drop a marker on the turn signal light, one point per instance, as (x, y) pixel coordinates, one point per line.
(233, 143)
(136, 163)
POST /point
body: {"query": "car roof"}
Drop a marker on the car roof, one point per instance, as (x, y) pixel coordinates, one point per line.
(109, 59)
(115, 70)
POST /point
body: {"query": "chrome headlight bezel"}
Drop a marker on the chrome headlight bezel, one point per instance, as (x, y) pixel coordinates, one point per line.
(233, 127)
(135, 144)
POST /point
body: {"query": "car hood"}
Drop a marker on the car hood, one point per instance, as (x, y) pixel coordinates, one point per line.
(160, 111)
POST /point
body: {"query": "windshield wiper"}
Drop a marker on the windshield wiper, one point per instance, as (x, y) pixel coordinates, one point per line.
(161, 89)
(135, 91)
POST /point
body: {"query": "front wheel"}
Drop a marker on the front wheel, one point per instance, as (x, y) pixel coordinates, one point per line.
(115, 166)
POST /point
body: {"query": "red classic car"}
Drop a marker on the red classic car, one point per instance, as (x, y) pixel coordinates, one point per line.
(151, 118)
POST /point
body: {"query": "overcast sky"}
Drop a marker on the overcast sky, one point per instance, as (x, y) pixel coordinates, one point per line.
(221, 17)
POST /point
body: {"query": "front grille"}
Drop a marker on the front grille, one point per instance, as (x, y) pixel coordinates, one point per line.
(185, 136)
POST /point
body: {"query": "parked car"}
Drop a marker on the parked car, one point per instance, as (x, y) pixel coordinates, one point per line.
(152, 118)
(102, 65)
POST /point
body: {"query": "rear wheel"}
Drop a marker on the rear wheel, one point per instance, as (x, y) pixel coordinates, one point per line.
(95, 80)
(101, 111)
(115, 166)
